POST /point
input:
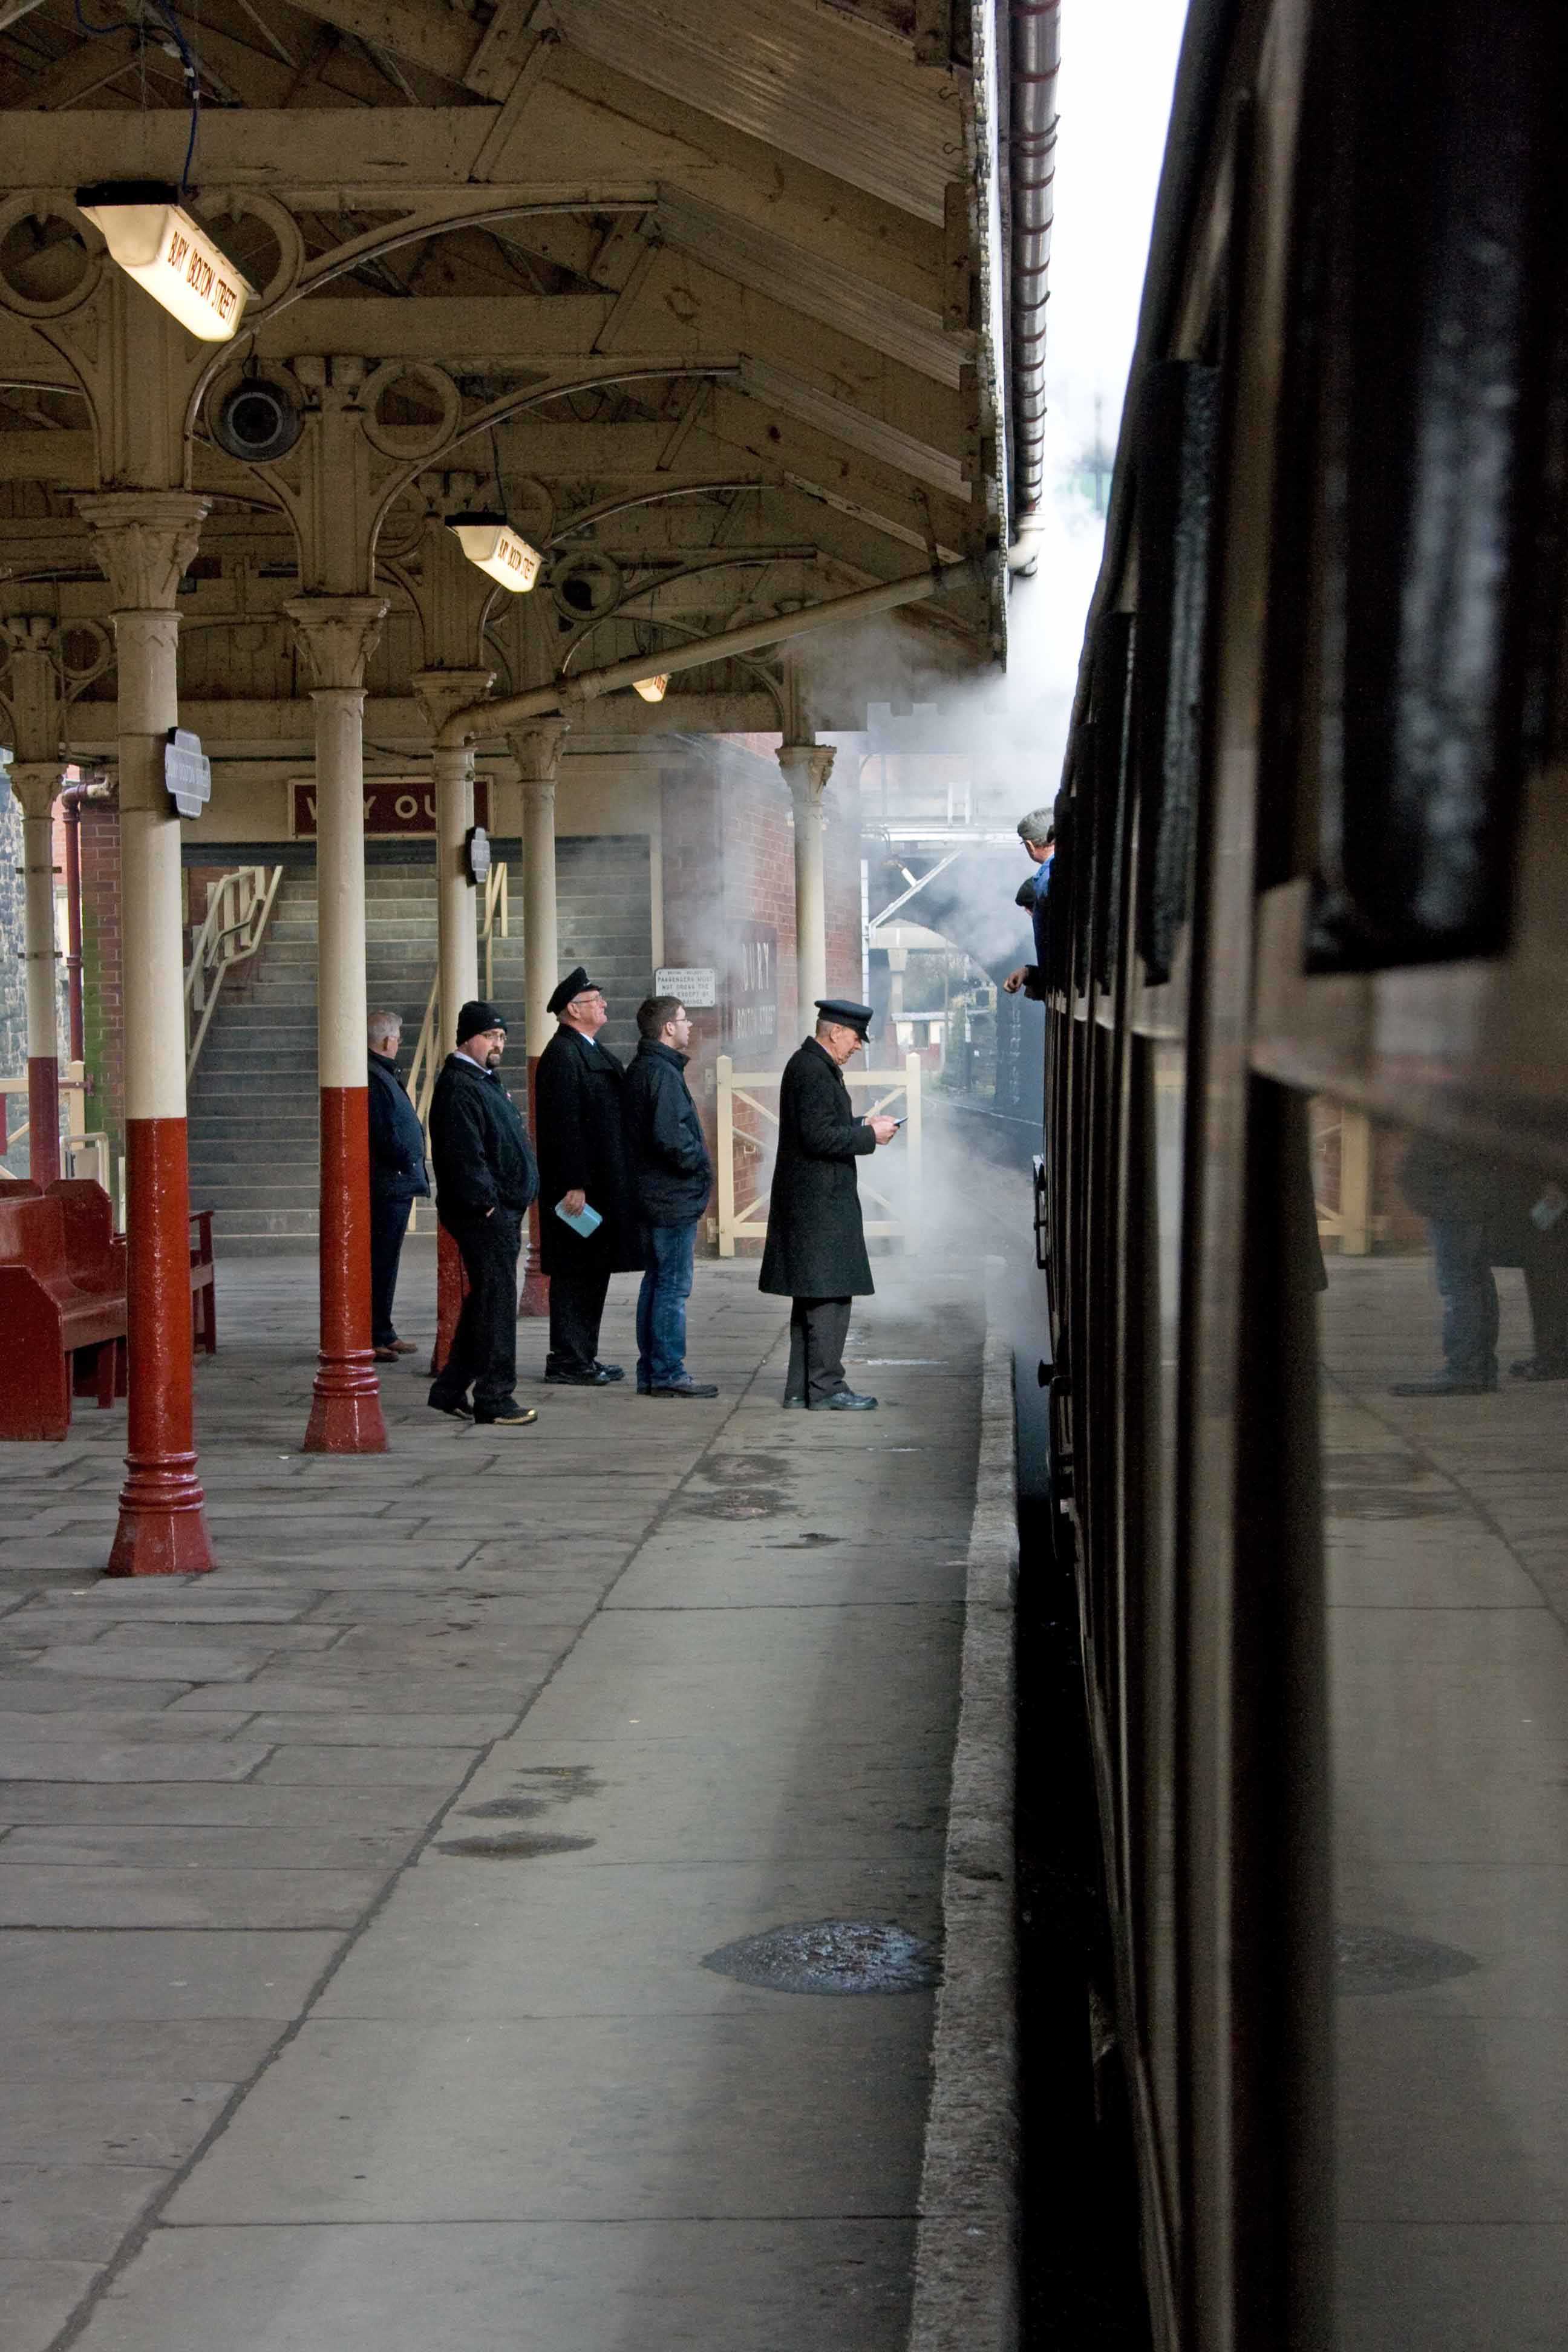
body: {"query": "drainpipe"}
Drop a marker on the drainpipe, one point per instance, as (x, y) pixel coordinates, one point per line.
(1035, 48)
(495, 718)
(71, 801)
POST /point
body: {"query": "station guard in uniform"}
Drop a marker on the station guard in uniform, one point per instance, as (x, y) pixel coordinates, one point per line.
(815, 1251)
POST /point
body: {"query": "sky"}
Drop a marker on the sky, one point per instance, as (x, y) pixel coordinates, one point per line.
(1119, 60)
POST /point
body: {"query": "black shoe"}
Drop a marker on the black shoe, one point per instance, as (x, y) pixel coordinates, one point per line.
(611, 1371)
(688, 1388)
(592, 1378)
(1540, 1367)
(1443, 1384)
(457, 1408)
(510, 1415)
(794, 1404)
(846, 1400)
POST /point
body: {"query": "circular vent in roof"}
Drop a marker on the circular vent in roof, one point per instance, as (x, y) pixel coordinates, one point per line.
(585, 585)
(257, 422)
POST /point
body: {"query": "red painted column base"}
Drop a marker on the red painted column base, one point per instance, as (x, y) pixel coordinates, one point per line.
(162, 1530)
(43, 1118)
(451, 1289)
(345, 1403)
(535, 1299)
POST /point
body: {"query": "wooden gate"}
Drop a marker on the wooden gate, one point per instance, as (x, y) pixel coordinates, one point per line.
(750, 1139)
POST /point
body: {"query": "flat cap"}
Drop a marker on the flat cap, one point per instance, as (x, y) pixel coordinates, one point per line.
(850, 1014)
(477, 1015)
(576, 983)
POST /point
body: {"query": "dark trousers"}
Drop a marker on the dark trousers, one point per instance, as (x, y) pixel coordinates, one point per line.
(388, 1223)
(1545, 1257)
(484, 1346)
(576, 1310)
(818, 1329)
(1461, 1256)
(661, 1305)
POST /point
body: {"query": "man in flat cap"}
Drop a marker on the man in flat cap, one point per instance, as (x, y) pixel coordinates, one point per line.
(486, 1181)
(582, 1165)
(815, 1251)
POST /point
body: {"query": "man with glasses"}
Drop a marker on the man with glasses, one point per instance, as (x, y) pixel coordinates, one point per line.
(582, 1167)
(486, 1181)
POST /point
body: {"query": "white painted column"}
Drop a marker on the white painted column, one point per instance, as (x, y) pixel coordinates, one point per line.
(35, 786)
(807, 767)
(440, 692)
(143, 540)
(338, 636)
(537, 750)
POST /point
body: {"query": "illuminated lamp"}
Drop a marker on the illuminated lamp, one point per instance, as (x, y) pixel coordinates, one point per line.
(489, 540)
(651, 688)
(154, 239)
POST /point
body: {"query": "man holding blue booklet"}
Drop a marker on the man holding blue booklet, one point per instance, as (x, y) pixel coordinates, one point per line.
(582, 1167)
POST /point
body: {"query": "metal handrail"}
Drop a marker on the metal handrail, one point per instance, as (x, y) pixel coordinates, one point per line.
(239, 910)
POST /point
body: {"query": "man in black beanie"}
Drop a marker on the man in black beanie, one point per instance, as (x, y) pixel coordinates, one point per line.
(486, 1181)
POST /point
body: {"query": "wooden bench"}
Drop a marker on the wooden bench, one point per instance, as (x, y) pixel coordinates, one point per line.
(91, 1238)
(56, 1332)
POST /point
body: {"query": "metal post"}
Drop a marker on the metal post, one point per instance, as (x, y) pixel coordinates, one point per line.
(1355, 1184)
(725, 1071)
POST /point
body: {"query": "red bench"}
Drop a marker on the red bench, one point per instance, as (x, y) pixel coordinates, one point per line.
(91, 1238)
(63, 1326)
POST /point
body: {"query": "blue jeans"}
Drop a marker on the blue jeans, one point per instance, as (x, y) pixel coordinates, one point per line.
(1461, 1257)
(661, 1305)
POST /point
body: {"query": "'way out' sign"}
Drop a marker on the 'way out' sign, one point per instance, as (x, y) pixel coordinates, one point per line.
(402, 804)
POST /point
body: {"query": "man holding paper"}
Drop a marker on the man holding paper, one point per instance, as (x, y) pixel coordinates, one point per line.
(582, 1167)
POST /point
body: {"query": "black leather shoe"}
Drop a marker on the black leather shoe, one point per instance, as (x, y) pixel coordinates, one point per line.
(794, 1404)
(1443, 1384)
(611, 1371)
(846, 1400)
(594, 1379)
(686, 1387)
(455, 1408)
(510, 1415)
(1540, 1367)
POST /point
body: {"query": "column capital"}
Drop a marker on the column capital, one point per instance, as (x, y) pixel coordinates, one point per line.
(439, 691)
(535, 745)
(143, 540)
(337, 636)
(806, 768)
(35, 783)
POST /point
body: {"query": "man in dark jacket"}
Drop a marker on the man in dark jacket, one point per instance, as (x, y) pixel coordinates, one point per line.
(816, 1249)
(1481, 1212)
(673, 1176)
(485, 1183)
(582, 1164)
(397, 1178)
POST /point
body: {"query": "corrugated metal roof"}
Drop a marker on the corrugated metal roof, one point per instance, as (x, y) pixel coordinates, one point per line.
(808, 82)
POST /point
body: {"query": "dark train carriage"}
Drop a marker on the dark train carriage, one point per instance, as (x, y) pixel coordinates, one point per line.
(1312, 835)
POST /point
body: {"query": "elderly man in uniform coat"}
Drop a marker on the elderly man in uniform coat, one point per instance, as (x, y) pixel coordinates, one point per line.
(581, 1163)
(815, 1251)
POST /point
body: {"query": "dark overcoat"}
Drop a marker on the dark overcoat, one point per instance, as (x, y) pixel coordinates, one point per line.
(480, 1146)
(396, 1139)
(664, 1142)
(815, 1245)
(581, 1148)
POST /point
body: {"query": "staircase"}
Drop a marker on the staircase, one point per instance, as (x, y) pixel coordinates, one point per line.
(254, 1137)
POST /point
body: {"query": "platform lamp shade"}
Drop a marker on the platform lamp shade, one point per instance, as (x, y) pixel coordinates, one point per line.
(154, 239)
(490, 541)
(652, 689)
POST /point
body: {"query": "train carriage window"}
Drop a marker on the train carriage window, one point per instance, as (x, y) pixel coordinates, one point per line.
(1112, 668)
(1175, 502)
(1415, 497)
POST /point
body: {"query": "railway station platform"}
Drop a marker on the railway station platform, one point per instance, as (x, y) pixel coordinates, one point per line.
(358, 1902)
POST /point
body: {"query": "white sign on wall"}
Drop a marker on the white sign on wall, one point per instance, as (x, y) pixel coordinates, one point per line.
(696, 985)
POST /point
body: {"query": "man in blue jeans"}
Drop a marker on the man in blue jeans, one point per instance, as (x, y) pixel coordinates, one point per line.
(672, 1177)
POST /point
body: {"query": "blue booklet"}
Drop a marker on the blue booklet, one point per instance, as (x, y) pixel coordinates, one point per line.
(588, 1219)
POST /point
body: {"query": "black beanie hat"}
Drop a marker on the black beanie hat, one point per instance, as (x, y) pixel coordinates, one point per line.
(475, 1016)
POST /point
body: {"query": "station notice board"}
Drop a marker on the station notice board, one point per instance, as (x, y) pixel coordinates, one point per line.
(393, 806)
